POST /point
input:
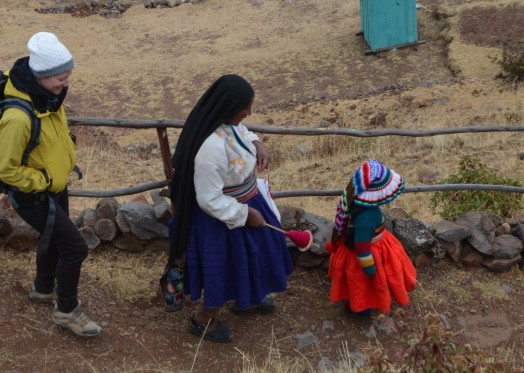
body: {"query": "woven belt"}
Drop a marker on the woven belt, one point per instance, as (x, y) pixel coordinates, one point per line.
(244, 191)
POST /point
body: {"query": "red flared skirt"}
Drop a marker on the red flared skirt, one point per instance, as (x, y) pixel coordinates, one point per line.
(395, 276)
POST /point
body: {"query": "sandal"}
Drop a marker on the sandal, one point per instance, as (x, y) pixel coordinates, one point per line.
(221, 333)
(265, 307)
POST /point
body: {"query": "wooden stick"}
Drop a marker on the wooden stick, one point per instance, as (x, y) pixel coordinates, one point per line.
(275, 228)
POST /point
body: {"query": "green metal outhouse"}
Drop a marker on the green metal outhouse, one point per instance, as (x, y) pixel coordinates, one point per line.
(388, 24)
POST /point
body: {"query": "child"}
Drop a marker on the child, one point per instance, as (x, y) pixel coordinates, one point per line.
(368, 265)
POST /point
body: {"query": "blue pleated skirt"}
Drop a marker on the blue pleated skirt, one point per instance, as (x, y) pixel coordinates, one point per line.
(242, 264)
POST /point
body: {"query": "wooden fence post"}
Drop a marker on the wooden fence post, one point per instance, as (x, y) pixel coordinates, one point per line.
(165, 152)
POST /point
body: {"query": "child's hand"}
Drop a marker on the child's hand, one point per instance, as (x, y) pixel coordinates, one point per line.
(370, 271)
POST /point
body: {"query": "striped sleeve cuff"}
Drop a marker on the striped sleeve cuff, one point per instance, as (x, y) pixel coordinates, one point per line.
(365, 257)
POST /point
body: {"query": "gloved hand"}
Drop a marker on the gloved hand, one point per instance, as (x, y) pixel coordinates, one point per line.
(370, 271)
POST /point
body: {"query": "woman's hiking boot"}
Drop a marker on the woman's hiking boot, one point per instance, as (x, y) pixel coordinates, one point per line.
(76, 321)
(36, 297)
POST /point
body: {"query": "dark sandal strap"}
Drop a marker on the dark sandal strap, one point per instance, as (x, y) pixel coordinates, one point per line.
(201, 327)
(219, 334)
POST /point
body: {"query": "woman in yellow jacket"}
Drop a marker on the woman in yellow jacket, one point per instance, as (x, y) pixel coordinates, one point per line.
(38, 189)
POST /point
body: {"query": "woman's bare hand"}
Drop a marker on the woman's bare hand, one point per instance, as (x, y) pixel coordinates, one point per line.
(254, 218)
(263, 157)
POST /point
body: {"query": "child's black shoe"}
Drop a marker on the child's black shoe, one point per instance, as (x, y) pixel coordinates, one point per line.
(370, 313)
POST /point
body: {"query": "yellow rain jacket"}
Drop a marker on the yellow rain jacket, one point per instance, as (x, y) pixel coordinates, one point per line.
(55, 154)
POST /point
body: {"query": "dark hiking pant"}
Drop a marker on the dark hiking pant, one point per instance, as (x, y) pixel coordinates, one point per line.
(67, 248)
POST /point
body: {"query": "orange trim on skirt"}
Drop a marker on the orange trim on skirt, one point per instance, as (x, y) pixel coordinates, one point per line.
(395, 276)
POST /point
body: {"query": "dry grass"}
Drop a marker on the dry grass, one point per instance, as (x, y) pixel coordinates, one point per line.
(130, 277)
(23, 263)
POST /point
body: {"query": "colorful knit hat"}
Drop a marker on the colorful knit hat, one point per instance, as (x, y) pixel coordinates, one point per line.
(375, 184)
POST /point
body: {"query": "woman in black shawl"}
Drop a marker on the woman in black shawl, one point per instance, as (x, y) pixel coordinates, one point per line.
(218, 227)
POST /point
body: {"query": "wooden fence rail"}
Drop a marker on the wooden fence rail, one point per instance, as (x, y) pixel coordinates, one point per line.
(161, 126)
(286, 130)
(301, 192)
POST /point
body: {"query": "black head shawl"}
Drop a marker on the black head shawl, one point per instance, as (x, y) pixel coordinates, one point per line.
(226, 97)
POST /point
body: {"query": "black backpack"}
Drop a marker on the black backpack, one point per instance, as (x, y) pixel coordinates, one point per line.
(27, 107)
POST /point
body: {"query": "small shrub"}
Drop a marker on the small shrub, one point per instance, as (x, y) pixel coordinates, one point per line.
(331, 145)
(513, 118)
(453, 203)
(439, 350)
(511, 63)
(378, 119)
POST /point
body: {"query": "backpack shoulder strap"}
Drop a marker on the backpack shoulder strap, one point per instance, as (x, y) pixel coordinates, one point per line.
(27, 107)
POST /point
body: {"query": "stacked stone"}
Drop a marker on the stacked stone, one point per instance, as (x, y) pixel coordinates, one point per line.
(133, 226)
(471, 240)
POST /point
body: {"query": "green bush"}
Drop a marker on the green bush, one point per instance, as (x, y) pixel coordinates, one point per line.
(452, 203)
(511, 63)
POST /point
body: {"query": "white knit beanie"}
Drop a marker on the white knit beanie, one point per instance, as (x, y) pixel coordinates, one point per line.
(47, 56)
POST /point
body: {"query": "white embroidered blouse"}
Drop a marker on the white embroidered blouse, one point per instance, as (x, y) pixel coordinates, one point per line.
(222, 161)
